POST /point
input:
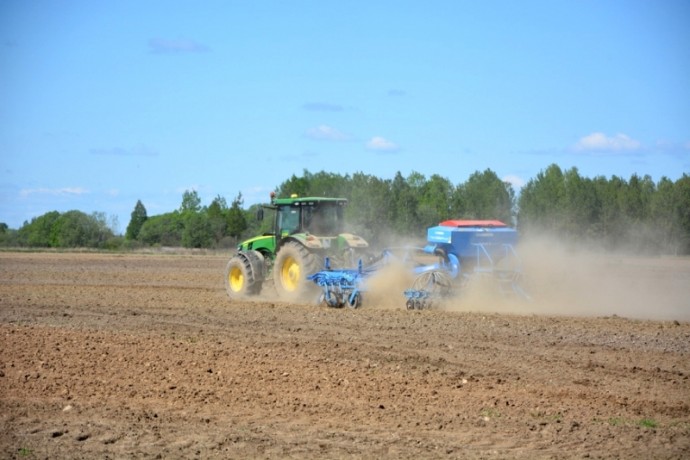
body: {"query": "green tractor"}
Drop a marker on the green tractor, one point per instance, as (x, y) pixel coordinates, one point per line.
(305, 232)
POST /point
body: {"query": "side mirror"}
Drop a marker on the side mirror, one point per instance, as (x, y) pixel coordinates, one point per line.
(260, 214)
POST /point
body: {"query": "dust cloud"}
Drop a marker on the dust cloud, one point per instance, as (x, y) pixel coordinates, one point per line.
(563, 280)
(577, 281)
(385, 289)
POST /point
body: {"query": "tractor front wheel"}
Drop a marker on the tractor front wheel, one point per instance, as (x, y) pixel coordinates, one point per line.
(244, 274)
(292, 266)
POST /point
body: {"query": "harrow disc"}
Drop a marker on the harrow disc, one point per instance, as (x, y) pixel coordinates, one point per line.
(427, 288)
(355, 300)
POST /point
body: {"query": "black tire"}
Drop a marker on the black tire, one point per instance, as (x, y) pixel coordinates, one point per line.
(292, 266)
(244, 274)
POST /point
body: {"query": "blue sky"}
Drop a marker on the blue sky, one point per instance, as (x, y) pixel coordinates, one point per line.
(105, 103)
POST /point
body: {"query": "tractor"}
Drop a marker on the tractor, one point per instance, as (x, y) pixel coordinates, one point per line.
(306, 231)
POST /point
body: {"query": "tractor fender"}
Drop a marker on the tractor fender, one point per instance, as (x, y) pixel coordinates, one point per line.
(303, 239)
(343, 241)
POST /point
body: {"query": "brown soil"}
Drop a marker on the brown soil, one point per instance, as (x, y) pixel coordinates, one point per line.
(144, 356)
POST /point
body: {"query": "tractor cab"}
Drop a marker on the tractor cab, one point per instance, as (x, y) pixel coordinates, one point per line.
(316, 216)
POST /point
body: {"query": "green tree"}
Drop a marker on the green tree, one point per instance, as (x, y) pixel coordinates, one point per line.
(197, 232)
(436, 200)
(75, 229)
(580, 208)
(315, 184)
(67, 230)
(486, 196)
(137, 219)
(40, 231)
(294, 186)
(404, 207)
(327, 184)
(542, 201)
(196, 227)
(164, 230)
(217, 211)
(190, 201)
(635, 197)
(8, 237)
(236, 218)
(681, 202)
(662, 213)
(369, 213)
(612, 220)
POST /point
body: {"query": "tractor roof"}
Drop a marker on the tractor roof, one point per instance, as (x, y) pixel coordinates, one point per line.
(306, 200)
(472, 223)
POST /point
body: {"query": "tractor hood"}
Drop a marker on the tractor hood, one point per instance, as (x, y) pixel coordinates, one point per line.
(336, 243)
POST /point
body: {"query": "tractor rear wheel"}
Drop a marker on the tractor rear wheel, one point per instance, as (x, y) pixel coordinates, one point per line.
(244, 274)
(292, 265)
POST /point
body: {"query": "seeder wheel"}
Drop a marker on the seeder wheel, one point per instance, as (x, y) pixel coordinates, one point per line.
(437, 283)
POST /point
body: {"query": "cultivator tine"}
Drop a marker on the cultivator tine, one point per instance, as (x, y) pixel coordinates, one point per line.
(339, 287)
(517, 289)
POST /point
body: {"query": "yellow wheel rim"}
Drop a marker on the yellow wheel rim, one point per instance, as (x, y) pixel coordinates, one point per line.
(236, 279)
(289, 274)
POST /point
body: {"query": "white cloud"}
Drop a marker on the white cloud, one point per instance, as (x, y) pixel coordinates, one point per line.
(516, 181)
(382, 144)
(327, 133)
(53, 191)
(599, 142)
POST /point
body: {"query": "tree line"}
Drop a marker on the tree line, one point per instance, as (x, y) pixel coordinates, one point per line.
(192, 225)
(71, 229)
(611, 213)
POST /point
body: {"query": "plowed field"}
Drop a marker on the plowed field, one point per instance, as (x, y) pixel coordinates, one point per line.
(144, 356)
